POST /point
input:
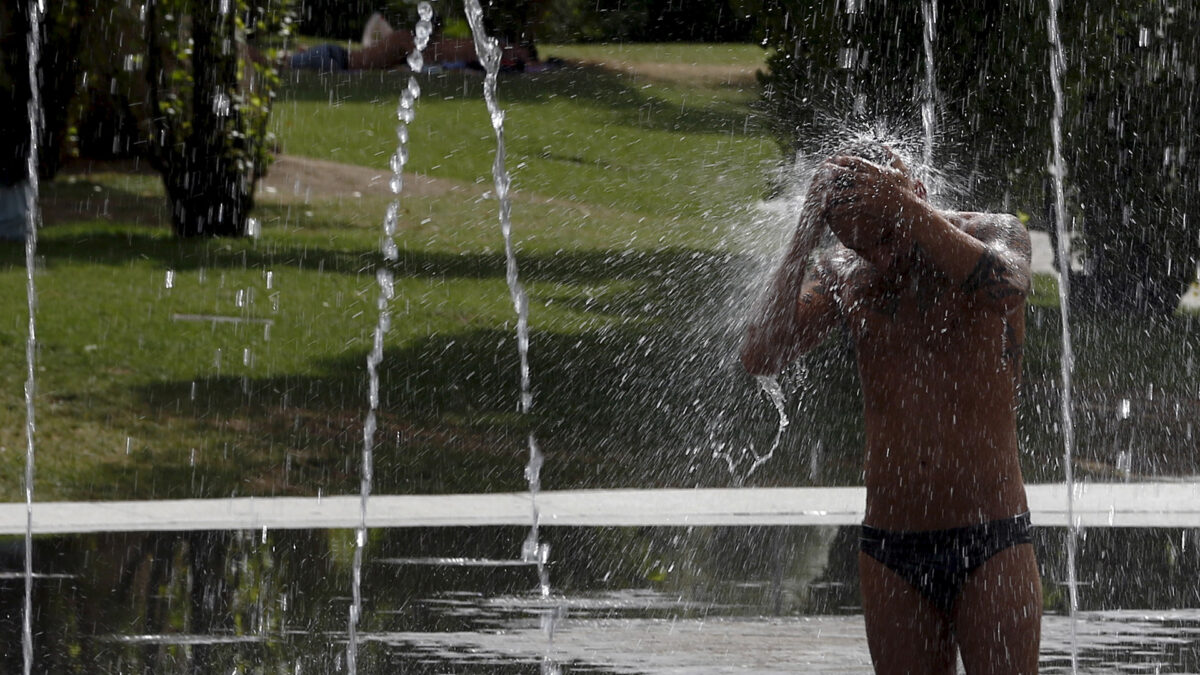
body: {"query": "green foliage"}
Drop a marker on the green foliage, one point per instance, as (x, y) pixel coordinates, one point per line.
(645, 21)
(549, 20)
(212, 71)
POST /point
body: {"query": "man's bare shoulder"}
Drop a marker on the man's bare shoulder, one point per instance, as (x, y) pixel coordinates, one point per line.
(997, 230)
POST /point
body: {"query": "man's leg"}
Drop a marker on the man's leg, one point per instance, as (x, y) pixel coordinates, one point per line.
(906, 634)
(999, 614)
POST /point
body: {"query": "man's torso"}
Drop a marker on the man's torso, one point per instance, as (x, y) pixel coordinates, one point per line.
(939, 374)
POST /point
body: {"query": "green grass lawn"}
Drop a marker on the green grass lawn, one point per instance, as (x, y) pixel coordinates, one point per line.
(626, 187)
(213, 368)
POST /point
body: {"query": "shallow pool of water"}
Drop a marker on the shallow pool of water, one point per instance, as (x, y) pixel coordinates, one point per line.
(625, 600)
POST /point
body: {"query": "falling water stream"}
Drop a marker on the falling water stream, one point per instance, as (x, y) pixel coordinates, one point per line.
(489, 52)
(532, 550)
(31, 227)
(929, 14)
(1057, 65)
(405, 113)
(774, 392)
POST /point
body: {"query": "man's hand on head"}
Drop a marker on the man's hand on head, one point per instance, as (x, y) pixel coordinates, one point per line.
(867, 205)
(876, 191)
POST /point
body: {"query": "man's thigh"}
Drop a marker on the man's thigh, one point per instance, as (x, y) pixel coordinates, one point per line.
(905, 632)
(999, 614)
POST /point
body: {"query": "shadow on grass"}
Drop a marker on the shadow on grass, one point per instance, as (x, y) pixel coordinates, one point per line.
(673, 267)
(613, 408)
(653, 400)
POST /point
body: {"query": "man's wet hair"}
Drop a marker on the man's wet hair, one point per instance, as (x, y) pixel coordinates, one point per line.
(872, 151)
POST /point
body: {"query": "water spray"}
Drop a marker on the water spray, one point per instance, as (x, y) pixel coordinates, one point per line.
(404, 113)
(1057, 171)
(34, 108)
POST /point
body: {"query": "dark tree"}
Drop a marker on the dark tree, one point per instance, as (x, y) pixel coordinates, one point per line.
(1133, 152)
(210, 96)
(59, 69)
(1129, 128)
(832, 68)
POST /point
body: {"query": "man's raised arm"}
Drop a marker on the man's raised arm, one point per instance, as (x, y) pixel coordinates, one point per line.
(987, 259)
(797, 310)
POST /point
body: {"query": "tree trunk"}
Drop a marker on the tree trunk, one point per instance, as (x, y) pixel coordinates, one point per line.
(209, 198)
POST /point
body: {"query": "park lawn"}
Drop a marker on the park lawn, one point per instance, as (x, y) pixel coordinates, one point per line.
(173, 368)
(670, 151)
(631, 224)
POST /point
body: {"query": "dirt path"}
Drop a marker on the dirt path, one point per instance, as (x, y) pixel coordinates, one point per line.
(305, 177)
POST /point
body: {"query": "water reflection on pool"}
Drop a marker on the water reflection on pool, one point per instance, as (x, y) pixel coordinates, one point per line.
(626, 600)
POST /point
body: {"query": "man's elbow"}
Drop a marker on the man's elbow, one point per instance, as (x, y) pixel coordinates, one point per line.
(1012, 303)
(757, 360)
(1009, 298)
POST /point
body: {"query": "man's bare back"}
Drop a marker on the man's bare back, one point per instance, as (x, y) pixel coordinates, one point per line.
(934, 302)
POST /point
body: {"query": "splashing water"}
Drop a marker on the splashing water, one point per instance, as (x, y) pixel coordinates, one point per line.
(774, 393)
(405, 113)
(1057, 66)
(34, 108)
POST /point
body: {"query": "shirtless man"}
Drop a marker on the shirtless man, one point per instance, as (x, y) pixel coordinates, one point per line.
(934, 301)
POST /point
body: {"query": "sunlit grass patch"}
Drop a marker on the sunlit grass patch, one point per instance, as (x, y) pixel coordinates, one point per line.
(580, 133)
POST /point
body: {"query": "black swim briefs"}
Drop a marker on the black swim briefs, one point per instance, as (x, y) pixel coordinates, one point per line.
(938, 562)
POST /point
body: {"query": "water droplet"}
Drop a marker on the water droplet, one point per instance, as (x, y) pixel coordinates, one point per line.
(423, 31)
(847, 57)
(391, 219)
(386, 284)
(170, 281)
(425, 11)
